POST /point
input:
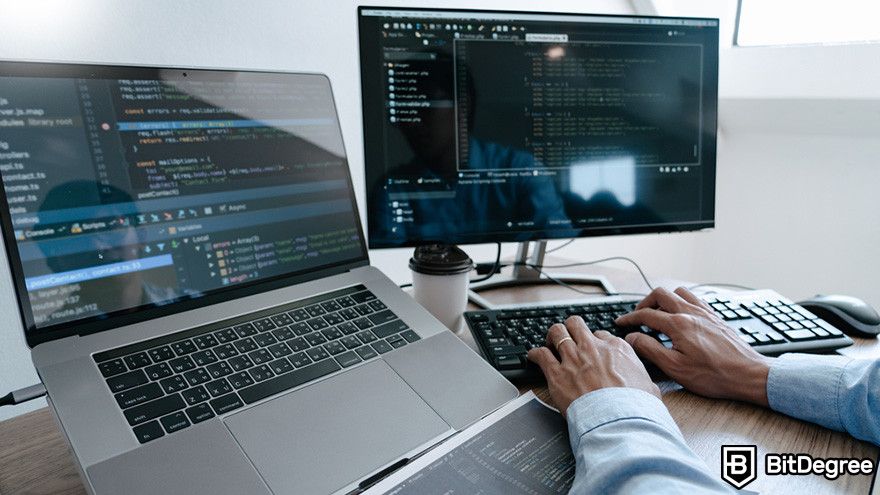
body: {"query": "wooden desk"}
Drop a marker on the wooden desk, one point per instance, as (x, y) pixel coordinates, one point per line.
(34, 458)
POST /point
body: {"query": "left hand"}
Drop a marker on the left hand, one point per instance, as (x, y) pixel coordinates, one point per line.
(588, 361)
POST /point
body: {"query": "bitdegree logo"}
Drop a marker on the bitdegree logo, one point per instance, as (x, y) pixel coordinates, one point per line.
(804, 464)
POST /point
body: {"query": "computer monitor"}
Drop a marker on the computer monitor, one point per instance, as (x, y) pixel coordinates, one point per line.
(133, 192)
(489, 126)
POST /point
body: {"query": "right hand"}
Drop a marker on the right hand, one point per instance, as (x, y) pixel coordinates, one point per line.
(707, 357)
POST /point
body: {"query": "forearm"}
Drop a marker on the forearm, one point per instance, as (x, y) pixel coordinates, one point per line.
(625, 441)
(832, 391)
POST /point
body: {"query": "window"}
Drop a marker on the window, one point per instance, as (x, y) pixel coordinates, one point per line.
(791, 22)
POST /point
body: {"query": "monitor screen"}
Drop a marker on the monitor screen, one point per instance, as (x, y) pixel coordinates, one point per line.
(484, 126)
(135, 188)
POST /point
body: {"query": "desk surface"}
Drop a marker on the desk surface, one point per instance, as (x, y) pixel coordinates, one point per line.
(34, 458)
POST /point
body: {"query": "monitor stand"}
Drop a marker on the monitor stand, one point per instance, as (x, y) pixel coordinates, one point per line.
(526, 275)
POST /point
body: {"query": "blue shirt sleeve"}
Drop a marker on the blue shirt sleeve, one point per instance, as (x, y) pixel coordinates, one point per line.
(625, 441)
(833, 391)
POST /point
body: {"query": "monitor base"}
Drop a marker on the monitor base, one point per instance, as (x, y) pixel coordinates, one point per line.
(524, 274)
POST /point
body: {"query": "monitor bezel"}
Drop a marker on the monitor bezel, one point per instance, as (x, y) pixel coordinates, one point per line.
(85, 326)
(521, 236)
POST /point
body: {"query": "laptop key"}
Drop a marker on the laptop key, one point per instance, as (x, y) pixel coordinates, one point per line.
(245, 345)
(260, 356)
(128, 380)
(315, 339)
(381, 347)
(382, 317)
(317, 353)
(298, 315)
(300, 328)
(195, 395)
(160, 354)
(287, 381)
(204, 358)
(283, 333)
(111, 368)
(318, 323)
(279, 350)
(182, 364)
(138, 395)
(226, 403)
(239, 363)
(280, 366)
(205, 341)
(200, 412)
(366, 352)
(154, 409)
(410, 336)
(138, 360)
(241, 379)
(351, 342)
(349, 314)
(282, 319)
(334, 347)
(377, 305)
(346, 302)
(264, 325)
(261, 373)
(225, 351)
(300, 359)
(366, 336)
(226, 335)
(174, 384)
(332, 333)
(348, 358)
(184, 347)
(331, 306)
(390, 328)
(347, 328)
(397, 341)
(218, 387)
(363, 323)
(245, 330)
(158, 371)
(265, 339)
(175, 422)
(362, 297)
(364, 310)
(333, 319)
(315, 310)
(148, 431)
(220, 369)
(197, 376)
(298, 344)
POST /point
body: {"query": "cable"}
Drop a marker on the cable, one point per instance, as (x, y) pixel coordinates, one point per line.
(495, 267)
(585, 263)
(720, 284)
(557, 248)
(571, 287)
(23, 395)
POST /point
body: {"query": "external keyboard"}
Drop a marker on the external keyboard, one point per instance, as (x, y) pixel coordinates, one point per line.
(166, 384)
(765, 320)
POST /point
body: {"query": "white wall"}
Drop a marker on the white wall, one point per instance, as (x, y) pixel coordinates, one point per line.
(795, 211)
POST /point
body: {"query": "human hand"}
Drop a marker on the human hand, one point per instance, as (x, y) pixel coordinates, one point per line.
(588, 361)
(707, 357)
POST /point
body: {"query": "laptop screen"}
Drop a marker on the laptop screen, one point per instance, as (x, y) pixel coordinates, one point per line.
(135, 188)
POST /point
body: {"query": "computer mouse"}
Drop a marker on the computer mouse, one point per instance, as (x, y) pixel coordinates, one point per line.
(852, 316)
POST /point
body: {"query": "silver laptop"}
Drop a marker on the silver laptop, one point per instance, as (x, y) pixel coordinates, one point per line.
(194, 284)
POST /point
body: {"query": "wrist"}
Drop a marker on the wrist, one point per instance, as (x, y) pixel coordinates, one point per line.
(751, 381)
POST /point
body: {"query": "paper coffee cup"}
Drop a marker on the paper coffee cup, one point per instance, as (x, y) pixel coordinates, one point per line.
(440, 282)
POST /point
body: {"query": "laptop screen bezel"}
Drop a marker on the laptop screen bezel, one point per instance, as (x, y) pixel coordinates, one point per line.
(116, 319)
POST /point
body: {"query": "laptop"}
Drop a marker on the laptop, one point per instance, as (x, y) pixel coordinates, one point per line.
(193, 283)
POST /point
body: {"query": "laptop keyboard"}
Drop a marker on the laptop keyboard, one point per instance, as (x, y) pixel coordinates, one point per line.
(168, 383)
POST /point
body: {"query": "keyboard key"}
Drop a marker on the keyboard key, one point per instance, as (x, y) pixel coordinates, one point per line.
(175, 422)
(331, 306)
(298, 344)
(331, 334)
(226, 335)
(391, 328)
(184, 347)
(204, 358)
(138, 360)
(351, 342)
(318, 323)
(315, 339)
(300, 359)
(347, 328)
(366, 352)
(829, 328)
(748, 339)
(239, 363)
(148, 431)
(381, 346)
(193, 396)
(346, 302)
(802, 334)
(377, 305)
(283, 333)
(287, 381)
(265, 339)
(158, 371)
(500, 350)
(282, 319)
(410, 336)
(780, 326)
(199, 413)
(317, 353)
(298, 315)
(197, 376)
(362, 297)
(154, 409)
(334, 319)
(261, 373)
(279, 350)
(138, 395)
(128, 380)
(111, 368)
(182, 364)
(349, 314)
(315, 310)
(205, 341)
(220, 369)
(364, 310)
(245, 345)
(218, 387)
(366, 336)
(382, 317)
(174, 384)
(245, 330)
(241, 379)
(347, 359)
(334, 347)
(280, 366)
(226, 403)
(396, 341)
(264, 325)
(761, 338)
(260, 356)
(160, 354)
(225, 351)
(508, 362)
(363, 323)
(300, 328)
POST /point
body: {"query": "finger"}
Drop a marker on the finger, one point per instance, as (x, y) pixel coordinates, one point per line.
(578, 330)
(693, 299)
(663, 299)
(654, 318)
(650, 349)
(544, 358)
(556, 339)
(603, 335)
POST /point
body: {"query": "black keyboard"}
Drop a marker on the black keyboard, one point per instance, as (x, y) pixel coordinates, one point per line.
(166, 384)
(765, 320)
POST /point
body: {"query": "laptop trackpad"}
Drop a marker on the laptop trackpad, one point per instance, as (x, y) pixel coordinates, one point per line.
(328, 435)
